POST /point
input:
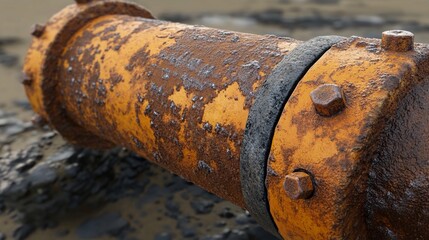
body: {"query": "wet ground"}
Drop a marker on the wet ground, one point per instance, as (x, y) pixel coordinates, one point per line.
(51, 190)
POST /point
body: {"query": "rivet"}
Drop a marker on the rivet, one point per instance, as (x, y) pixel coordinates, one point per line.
(298, 185)
(397, 40)
(26, 79)
(38, 30)
(328, 99)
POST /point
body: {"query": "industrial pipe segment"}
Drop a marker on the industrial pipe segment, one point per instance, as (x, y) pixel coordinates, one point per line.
(322, 139)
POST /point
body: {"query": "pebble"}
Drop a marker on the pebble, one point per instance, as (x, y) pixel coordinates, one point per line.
(185, 228)
(64, 153)
(173, 209)
(226, 213)
(243, 219)
(105, 224)
(238, 234)
(164, 236)
(23, 231)
(42, 175)
(202, 206)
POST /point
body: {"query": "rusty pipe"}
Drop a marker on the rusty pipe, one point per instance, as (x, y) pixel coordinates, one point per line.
(302, 134)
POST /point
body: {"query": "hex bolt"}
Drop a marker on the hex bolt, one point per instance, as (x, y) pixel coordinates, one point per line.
(397, 40)
(298, 185)
(328, 99)
(26, 79)
(38, 30)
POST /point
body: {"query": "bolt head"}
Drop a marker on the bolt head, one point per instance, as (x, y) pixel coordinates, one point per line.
(397, 40)
(298, 185)
(38, 30)
(26, 79)
(328, 99)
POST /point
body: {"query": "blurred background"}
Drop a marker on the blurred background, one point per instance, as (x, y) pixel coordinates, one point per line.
(85, 194)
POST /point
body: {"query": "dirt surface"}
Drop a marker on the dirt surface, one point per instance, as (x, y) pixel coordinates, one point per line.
(51, 190)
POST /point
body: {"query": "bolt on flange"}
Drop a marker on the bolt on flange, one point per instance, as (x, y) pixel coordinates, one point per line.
(397, 40)
(298, 185)
(38, 30)
(26, 79)
(328, 99)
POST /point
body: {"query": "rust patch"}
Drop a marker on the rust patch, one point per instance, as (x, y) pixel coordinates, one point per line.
(397, 206)
(190, 104)
(336, 150)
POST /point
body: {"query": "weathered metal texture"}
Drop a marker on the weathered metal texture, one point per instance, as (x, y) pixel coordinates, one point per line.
(398, 206)
(263, 117)
(346, 160)
(41, 64)
(177, 95)
(336, 151)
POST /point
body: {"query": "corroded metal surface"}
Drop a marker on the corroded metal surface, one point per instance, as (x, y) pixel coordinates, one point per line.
(178, 95)
(104, 73)
(263, 117)
(337, 150)
(41, 64)
(398, 206)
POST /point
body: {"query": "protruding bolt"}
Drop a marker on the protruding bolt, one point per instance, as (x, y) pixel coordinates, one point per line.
(328, 99)
(397, 40)
(38, 121)
(26, 79)
(83, 1)
(298, 185)
(38, 30)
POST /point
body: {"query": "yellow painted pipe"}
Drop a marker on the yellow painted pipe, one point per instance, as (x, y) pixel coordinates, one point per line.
(292, 131)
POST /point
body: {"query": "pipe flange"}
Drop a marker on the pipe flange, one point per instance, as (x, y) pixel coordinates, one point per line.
(263, 117)
(42, 60)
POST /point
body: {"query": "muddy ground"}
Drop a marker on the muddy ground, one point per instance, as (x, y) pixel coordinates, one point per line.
(51, 190)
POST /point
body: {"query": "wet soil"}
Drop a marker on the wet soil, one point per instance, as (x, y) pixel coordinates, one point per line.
(51, 190)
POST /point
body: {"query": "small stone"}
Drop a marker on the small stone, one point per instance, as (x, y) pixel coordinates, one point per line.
(42, 175)
(63, 154)
(164, 236)
(226, 213)
(220, 224)
(105, 224)
(202, 206)
(239, 235)
(49, 135)
(23, 232)
(243, 219)
(186, 230)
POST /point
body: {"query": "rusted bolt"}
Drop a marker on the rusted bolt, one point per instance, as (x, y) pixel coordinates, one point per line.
(328, 99)
(38, 30)
(26, 79)
(298, 185)
(397, 40)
